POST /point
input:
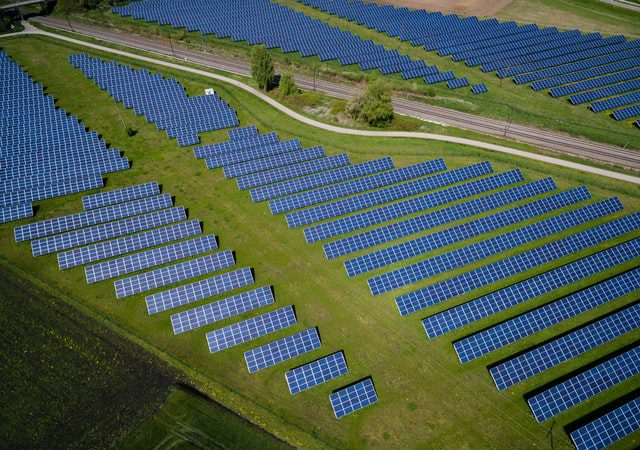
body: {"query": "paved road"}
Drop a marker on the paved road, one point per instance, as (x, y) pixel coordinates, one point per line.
(540, 138)
(623, 4)
(403, 134)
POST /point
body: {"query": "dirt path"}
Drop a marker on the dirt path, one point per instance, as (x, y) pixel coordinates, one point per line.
(466, 7)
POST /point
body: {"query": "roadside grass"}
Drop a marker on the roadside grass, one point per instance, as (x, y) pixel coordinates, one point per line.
(585, 15)
(505, 100)
(427, 399)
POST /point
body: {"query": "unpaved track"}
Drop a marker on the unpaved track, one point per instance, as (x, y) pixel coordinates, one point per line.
(29, 29)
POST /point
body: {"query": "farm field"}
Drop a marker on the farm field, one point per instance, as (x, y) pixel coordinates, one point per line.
(427, 399)
(505, 100)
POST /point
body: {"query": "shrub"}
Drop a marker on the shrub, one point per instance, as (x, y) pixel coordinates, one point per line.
(374, 106)
(262, 69)
(287, 85)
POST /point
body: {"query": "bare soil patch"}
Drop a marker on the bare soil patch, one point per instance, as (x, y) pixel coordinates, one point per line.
(466, 7)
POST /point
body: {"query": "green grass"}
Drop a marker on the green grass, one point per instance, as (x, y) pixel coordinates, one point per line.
(189, 421)
(586, 15)
(427, 399)
(505, 100)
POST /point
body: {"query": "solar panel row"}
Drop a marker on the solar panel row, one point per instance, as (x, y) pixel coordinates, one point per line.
(282, 350)
(353, 398)
(120, 195)
(317, 372)
(278, 160)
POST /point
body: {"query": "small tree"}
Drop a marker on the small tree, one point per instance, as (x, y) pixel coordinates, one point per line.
(374, 106)
(287, 85)
(262, 67)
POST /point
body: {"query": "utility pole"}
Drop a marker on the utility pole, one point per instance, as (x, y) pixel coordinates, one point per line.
(171, 45)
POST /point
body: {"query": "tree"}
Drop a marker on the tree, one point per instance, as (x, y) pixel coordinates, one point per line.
(374, 106)
(287, 85)
(262, 67)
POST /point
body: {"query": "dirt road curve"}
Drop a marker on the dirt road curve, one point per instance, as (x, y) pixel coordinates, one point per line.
(466, 7)
(540, 138)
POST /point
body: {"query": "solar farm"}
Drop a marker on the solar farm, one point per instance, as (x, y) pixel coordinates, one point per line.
(337, 291)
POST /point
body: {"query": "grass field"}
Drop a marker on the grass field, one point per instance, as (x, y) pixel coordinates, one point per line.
(427, 399)
(586, 15)
(505, 100)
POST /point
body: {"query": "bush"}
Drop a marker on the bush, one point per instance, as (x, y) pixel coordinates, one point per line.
(287, 85)
(262, 67)
(374, 106)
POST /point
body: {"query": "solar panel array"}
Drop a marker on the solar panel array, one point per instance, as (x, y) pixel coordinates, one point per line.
(317, 372)
(116, 196)
(610, 428)
(539, 359)
(162, 101)
(585, 385)
(544, 57)
(253, 328)
(353, 398)
(45, 153)
(282, 350)
(263, 22)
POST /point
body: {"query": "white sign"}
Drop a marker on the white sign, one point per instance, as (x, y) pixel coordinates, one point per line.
(209, 91)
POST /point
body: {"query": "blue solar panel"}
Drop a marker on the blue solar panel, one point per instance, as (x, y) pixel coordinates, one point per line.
(96, 216)
(198, 290)
(222, 309)
(272, 162)
(293, 171)
(151, 258)
(559, 350)
(226, 159)
(228, 146)
(106, 231)
(374, 198)
(585, 385)
(411, 206)
(436, 218)
(546, 316)
(385, 195)
(353, 398)
(173, 274)
(467, 230)
(479, 88)
(243, 134)
(492, 246)
(320, 179)
(253, 328)
(316, 372)
(610, 428)
(49, 191)
(127, 244)
(519, 263)
(120, 195)
(15, 212)
(626, 113)
(282, 350)
(515, 294)
(323, 182)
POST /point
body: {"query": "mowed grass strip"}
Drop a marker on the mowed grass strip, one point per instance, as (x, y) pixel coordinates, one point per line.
(427, 399)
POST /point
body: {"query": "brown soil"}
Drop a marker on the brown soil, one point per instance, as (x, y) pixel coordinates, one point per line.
(466, 7)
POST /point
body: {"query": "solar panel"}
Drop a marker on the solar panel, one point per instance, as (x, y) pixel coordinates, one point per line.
(562, 349)
(467, 230)
(353, 398)
(151, 258)
(120, 195)
(585, 385)
(282, 350)
(106, 231)
(292, 171)
(15, 212)
(610, 428)
(243, 133)
(253, 328)
(314, 373)
(500, 300)
(491, 246)
(127, 244)
(272, 162)
(320, 182)
(222, 309)
(479, 88)
(541, 318)
(71, 222)
(50, 191)
(198, 290)
(228, 146)
(227, 159)
(411, 206)
(436, 218)
(516, 264)
(366, 200)
(173, 274)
